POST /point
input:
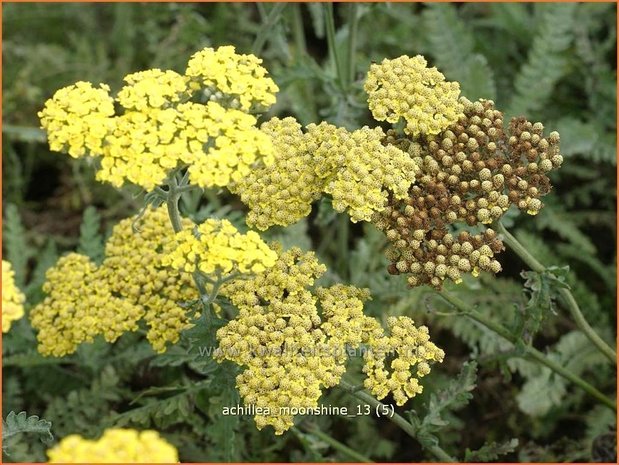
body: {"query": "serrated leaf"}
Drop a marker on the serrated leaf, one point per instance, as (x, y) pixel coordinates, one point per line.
(542, 289)
(46, 259)
(91, 241)
(22, 423)
(14, 244)
(453, 397)
(491, 451)
(223, 428)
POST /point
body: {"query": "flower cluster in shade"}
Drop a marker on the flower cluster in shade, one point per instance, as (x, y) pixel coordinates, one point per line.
(470, 174)
(12, 298)
(217, 247)
(405, 87)
(85, 299)
(291, 340)
(354, 168)
(116, 445)
(167, 120)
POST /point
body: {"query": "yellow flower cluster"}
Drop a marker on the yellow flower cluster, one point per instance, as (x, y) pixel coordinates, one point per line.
(238, 145)
(344, 321)
(412, 349)
(283, 192)
(152, 88)
(134, 267)
(358, 169)
(278, 317)
(77, 119)
(160, 129)
(355, 168)
(79, 306)
(232, 74)
(12, 298)
(117, 445)
(293, 342)
(84, 300)
(216, 246)
(406, 88)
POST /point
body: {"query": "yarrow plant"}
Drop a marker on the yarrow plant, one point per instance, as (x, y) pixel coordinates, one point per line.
(447, 165)
(176, 131)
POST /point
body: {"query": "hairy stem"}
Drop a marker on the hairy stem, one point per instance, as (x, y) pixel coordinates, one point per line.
(565, 294)
(530, 352)
(397, 419)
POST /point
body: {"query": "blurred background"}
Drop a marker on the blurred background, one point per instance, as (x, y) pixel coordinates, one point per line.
(554, 63)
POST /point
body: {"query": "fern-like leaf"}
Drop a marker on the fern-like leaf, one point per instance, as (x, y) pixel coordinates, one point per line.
(491, 451)
(452, 46)
(15, 424)
(545, 389)
(453, 397)
(546, 62)
(46, 259)
(15, 245)
(91, 241)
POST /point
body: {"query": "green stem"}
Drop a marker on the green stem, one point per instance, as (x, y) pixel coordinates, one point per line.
(330, 26)
(530, 352)
(337, 445)
(297, 29)
(173, 196)
(353, 23)
(396, 419)
(565, 294)
(267, 28)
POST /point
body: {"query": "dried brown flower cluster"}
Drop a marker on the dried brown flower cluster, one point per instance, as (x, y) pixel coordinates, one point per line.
(470, 173)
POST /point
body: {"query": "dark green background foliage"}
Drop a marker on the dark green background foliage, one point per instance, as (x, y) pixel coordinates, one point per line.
(553, 63)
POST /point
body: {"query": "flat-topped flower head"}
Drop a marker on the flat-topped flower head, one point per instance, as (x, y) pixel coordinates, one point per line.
(117, 445)
(153, 88)
(359, 172)
(354, 167)
(237, 76)
(79, 306)
(281, 193)
(78, 118)
(163, 125)
(217, 247)
(12, 298)
(292, 340)
(134, 267)
(470, 174)
(406, 88)
(235, 147)
(85, 300)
